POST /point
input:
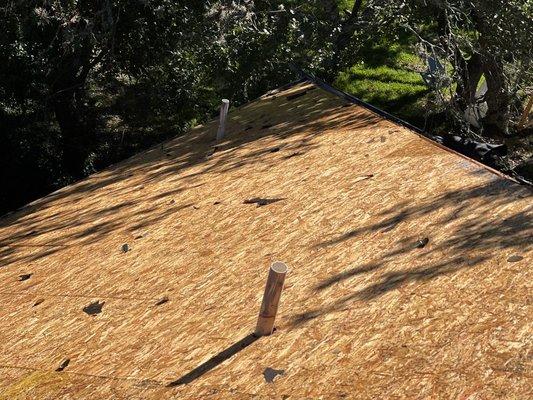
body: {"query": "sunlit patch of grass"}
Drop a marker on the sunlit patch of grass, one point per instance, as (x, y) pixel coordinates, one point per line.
(395, 90)
(385, 74)
(388, 76)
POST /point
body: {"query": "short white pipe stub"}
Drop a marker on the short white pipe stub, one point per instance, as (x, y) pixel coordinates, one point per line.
(223, 114)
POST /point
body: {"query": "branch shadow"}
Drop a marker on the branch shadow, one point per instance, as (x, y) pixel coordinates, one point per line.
(473, 237)
(388, 282)
(123, 197)
(175, 161)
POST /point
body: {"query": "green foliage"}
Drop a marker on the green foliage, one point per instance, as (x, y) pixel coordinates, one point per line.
(475, 38)
(387, 79)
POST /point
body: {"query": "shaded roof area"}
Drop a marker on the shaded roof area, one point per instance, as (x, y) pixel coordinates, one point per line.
(370, 310)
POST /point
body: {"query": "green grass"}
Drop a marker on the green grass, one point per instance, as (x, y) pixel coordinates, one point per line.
(387, 78)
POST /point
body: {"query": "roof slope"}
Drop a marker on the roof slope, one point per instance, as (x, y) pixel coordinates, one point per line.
(365, 312)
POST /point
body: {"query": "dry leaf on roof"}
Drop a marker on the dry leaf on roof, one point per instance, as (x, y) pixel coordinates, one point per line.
(261, 202)
(37, 302)
(94, 308)
(63, 365)
(162, 300)
(24, 277)
(421, 243)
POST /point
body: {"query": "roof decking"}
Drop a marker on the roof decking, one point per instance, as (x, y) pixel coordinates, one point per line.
(365, 312)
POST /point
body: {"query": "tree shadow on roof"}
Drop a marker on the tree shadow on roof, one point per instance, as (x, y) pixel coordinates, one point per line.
(473, 238)
(123, 197)
(388, 282)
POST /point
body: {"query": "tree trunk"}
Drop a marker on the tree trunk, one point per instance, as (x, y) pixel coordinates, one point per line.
(470, 72)
(348, 26)
(73, 131)
(496, 122)
(343, 38)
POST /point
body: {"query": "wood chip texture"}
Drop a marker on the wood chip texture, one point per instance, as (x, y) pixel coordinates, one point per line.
(366, 313)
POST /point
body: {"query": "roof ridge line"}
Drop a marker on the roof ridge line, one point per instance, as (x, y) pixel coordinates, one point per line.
(418, 131)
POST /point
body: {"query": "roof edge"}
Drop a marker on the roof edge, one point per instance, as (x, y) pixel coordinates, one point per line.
(420, 132)
(351, 98)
